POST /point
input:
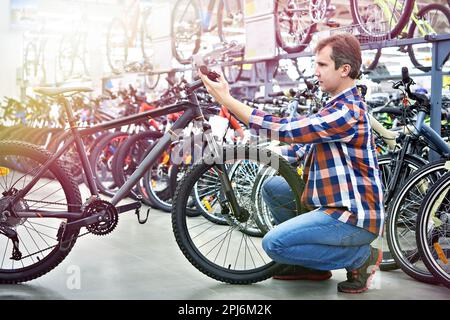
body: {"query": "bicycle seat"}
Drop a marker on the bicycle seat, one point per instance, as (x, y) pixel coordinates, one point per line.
(53, 91)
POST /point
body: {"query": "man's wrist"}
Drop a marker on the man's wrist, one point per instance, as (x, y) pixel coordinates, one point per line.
(228, 100)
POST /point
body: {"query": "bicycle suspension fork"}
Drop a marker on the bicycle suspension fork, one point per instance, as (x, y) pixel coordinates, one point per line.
(239, 213)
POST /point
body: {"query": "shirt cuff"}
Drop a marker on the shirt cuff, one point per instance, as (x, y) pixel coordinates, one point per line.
(256, 119)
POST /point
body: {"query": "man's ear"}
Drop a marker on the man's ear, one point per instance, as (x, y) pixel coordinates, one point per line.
(346, 68)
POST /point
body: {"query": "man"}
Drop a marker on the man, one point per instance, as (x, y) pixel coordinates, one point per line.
(343, 187)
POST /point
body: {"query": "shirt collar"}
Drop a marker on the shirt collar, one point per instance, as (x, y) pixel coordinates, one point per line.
(350, 91)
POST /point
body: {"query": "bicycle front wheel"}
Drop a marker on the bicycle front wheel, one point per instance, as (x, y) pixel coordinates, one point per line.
(226, 252)
(402, 218)
(433, 230)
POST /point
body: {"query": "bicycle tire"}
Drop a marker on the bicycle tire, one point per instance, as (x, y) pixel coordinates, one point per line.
(220, 22)
(65, 69)
(198, 33)
(427, 215)
(181, 231)
(374, 63)
(388, 262)
(393, 31)
(412, 27)
(305, 39)
(115, 67)
(72, 196)
(162, 199)
(145, 34)
(408, 258)
(119, 162)
(30, 67)
(95, 160)
(210, 183)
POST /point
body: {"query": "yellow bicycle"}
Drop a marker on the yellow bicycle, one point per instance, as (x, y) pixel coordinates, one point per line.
(387, 19)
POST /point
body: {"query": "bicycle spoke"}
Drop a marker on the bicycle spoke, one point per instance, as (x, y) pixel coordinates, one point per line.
(33, 238)
(20, 240)
(4, 254)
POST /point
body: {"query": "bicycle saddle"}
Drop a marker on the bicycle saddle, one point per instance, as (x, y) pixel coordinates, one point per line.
(53, 91)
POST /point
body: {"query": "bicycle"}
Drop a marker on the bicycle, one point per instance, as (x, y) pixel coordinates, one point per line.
(190, 21)
(433, 231)
(73, 54)
(29, 172)
(34, 60)
(395, 16)
(402, 212)
(123, 33)
(392, 15)
(431, 19)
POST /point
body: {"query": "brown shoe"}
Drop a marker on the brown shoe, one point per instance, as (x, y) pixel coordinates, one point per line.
(291, 272)
(358, 280)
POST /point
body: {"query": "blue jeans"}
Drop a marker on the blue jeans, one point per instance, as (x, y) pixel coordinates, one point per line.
(313, 239)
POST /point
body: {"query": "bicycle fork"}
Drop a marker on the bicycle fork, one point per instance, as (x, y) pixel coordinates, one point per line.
(228, 197)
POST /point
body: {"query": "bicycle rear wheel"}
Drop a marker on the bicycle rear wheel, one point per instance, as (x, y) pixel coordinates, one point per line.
(225, 252)
(40, 240)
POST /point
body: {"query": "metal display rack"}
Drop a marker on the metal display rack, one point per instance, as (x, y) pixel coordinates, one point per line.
(440, 53)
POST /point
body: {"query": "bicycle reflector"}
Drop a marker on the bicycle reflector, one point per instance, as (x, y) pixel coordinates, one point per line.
(4, 171)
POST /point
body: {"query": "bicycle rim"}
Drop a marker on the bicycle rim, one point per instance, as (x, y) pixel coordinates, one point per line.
(224, 252)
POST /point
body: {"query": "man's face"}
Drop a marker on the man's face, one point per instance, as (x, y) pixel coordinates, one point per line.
(329, 78)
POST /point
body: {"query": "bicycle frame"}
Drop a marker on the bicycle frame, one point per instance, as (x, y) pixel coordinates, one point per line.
(432, 138)
(422, 25)
(192, 112)
(387, 11)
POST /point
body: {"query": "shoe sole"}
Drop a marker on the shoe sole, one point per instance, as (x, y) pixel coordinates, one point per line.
(312, 278)
(372, 273)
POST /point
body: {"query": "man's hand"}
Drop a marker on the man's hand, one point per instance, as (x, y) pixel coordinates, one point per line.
(220, 90)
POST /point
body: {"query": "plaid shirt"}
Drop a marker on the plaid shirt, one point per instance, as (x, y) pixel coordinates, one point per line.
(341, 170)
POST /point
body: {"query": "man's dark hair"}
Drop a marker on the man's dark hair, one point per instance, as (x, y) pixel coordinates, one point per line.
(345, 50)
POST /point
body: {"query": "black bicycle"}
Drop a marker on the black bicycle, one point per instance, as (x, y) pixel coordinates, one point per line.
(41, 210)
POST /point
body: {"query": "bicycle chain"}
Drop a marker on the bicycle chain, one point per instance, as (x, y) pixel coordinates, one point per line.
(48, 202)
(59, 243)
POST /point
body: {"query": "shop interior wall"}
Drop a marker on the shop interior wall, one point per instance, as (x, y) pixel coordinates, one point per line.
(10, 53)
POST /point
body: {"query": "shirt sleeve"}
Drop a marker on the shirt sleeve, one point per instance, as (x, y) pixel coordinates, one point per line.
(335, 123)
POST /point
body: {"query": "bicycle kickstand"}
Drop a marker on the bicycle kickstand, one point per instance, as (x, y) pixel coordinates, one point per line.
(138, 213)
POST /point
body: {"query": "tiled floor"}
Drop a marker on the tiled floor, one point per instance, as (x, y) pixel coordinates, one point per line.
(144, 262)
